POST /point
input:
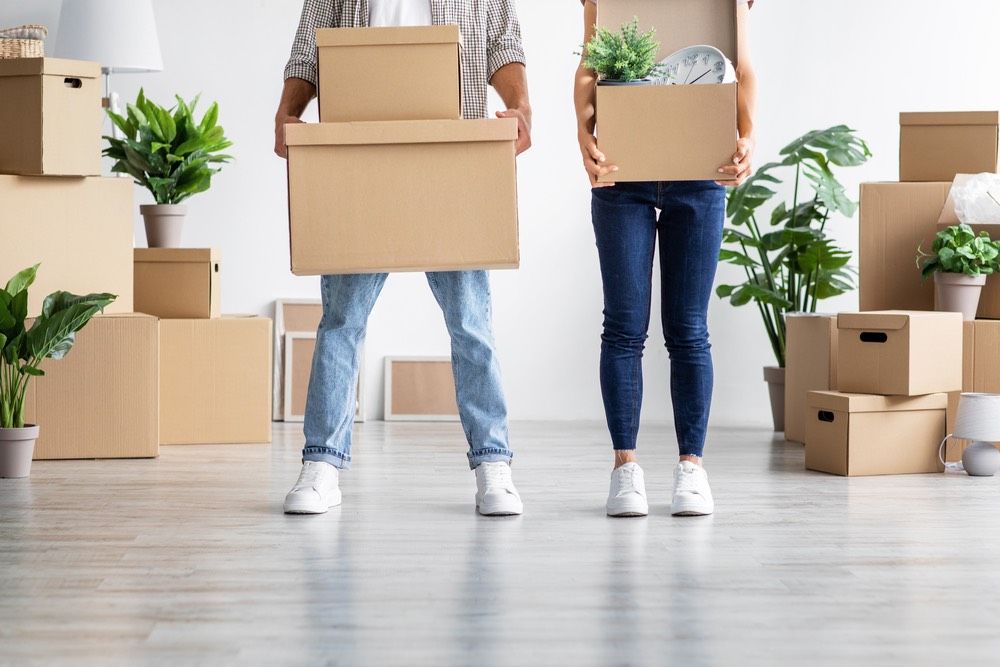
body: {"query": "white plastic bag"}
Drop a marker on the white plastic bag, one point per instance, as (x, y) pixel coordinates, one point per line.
(977, 200)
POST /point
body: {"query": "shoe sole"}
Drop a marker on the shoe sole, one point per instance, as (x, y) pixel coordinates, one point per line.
(627, 515)
(301, 509)
(692, 511)
(482, 512)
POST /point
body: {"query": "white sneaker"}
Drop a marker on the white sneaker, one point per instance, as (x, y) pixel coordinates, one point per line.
(692, 494)
(627, 496)
(495, 492)
(316, 490)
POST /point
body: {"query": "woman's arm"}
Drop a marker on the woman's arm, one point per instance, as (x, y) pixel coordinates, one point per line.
(584, 96)
(746, 104)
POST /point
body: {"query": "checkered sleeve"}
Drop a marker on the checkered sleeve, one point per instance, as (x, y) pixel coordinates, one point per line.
(503, 45)
(302, 64)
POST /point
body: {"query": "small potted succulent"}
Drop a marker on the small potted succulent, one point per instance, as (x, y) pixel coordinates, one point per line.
(623, 58)
(960, 261)
(169, 154)
(23, 348)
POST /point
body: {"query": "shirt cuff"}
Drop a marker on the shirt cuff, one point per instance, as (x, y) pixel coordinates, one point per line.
(504, 55)
(302, 70)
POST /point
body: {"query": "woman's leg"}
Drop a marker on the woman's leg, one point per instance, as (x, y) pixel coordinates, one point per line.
(625, 227)
(690, 226)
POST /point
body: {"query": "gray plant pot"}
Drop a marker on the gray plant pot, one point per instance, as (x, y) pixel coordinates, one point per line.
(616, 82)
(958, 293)
(164, 224)
(17, 446)
(775, 378)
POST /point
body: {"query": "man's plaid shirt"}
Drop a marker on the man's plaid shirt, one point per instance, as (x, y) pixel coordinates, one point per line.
(491, 37)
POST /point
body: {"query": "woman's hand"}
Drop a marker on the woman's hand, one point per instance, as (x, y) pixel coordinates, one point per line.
(594, 161)
(740, 168)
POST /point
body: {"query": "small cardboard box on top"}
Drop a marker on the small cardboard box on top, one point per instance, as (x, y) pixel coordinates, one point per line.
(936, 146)
(356, 207)
(899, 353)
(670, 133)
(855, 434)
(810, 365)
(177, 283)
(989, 298)
(980, 372)
(392, 73)
(50, 117)
(101, 401)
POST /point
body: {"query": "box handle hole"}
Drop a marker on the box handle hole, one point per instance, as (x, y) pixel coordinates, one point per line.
(73, 82)
(825, 416)
(215, 268)
(873, 337)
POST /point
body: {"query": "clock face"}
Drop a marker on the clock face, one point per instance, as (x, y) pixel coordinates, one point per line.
(697, 65)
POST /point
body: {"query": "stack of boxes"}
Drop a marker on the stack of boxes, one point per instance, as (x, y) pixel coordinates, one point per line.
(392, 179)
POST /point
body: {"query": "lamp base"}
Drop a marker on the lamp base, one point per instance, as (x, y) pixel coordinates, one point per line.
(981, 459)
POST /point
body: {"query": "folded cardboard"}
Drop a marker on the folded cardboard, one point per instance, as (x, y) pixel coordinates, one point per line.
(215, 380)
(854, 434)
(936, 146)
(78, 229)
(899, 353)
(394, 73)
(896, 219)
(100, 401)
(670, 133)
(980, 372)
(50, 117)
(177, 283)
(356, 206)
(810, 365)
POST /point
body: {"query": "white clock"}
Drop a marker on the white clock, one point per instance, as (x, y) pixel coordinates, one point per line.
(697, 65)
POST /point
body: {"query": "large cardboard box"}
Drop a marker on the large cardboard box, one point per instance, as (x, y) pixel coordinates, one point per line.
(980, 373)
(50, 117)
(215, 381)
(810, 365)
(899, 353)
(670, 133)
(177, 283)
(936, 146)
(100, 402)
(79, 229)
(854, 434)
(896, 219)
(357, 206)
(404, 73)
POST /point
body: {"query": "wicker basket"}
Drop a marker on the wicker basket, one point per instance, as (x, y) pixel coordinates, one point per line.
(24, 41)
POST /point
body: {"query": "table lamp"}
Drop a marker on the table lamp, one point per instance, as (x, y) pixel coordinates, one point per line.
(978, 419)
(119, 34)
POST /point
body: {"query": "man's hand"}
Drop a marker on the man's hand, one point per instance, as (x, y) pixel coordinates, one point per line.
(279, 134)
(594, 161)
(523, 127)
(740, 168)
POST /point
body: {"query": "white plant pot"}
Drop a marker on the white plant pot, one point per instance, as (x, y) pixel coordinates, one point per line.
(958, 293)
(17, 447)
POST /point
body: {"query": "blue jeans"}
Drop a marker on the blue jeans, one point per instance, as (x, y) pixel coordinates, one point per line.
(464, 297)
(689, 228)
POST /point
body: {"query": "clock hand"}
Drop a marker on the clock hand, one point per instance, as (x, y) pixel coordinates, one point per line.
(690, 71)
(708, 71)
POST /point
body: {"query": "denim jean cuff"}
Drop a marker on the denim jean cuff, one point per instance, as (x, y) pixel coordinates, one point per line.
(337, 459)
(489, 455)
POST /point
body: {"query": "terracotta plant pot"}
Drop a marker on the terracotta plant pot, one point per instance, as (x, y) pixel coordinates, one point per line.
(17, 446)
(958, 293)
(775, 378)
(164, 224)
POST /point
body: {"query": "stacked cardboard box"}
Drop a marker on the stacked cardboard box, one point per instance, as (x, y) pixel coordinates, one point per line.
(390, 109)
(100, 401)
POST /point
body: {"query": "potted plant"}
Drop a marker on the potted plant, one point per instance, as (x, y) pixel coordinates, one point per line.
(794, 265)
(623, 58)
(169, 154)
(23, 348)
(960, 262)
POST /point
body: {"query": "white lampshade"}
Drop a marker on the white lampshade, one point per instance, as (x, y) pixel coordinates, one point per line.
(119, 34)
(978, 417)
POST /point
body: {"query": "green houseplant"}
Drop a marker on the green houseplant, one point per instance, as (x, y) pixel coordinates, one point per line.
(23, 348)
(625, 57)
(789, 262)
(960, 261)
(171, 154)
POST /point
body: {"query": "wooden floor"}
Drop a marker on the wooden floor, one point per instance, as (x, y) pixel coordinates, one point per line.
(188, 560)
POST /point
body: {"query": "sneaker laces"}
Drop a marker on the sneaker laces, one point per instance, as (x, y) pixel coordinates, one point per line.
(627, 476)
(687, 478)
(310, 474)
(497, 475)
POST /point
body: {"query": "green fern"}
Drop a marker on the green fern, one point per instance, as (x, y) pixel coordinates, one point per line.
(626, 55)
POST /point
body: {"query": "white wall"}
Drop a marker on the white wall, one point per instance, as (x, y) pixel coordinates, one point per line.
(820, 62)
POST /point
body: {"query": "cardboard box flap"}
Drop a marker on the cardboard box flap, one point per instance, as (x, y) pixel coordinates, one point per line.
(841, 402)
(176, 255)
(678, 23)
(886, 320)
(81, 69)
(383, 36)
(950, 118)
(401, 132)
